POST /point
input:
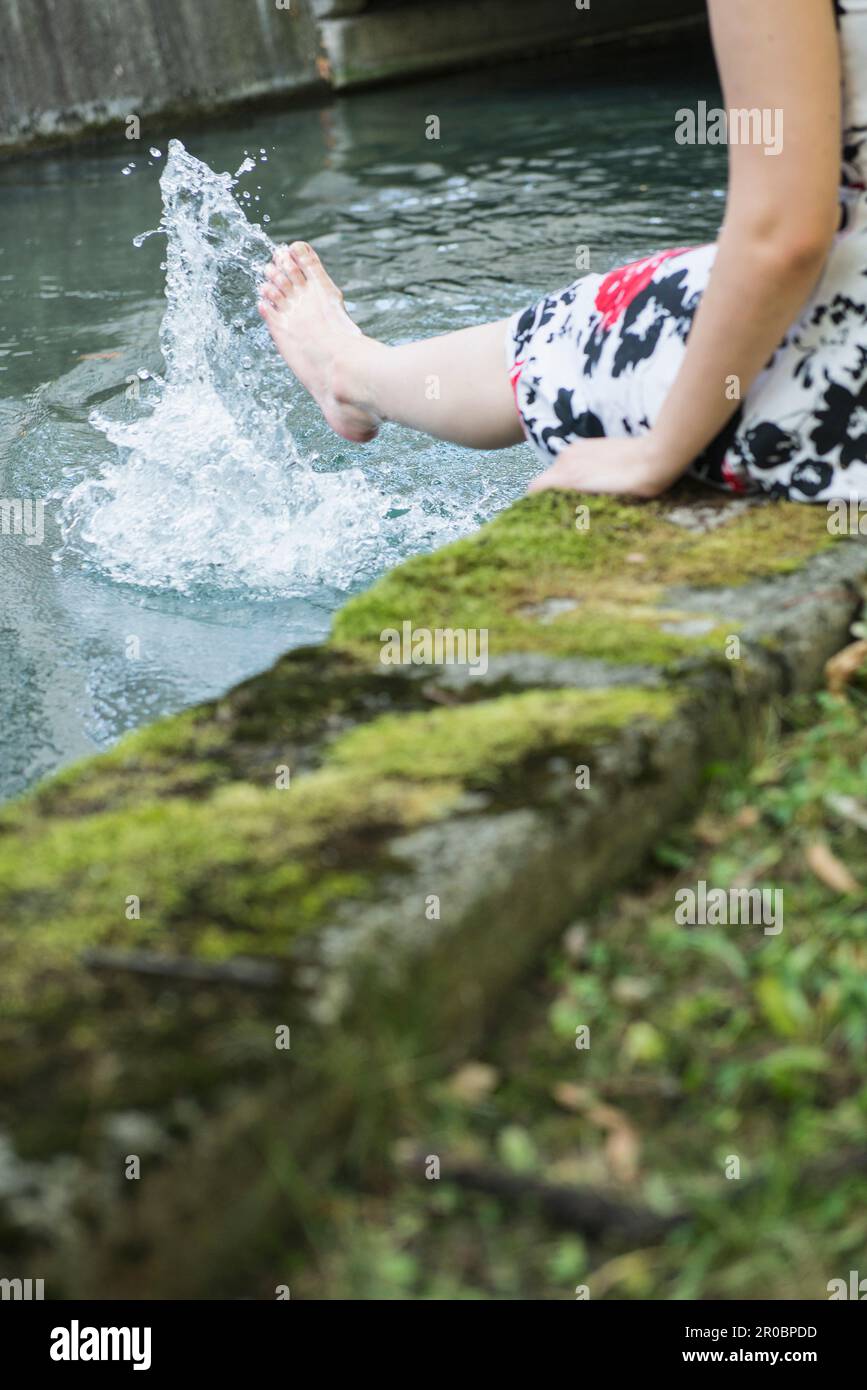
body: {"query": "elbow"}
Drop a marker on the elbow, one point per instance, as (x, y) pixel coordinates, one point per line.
(801, 254)
(788, 250)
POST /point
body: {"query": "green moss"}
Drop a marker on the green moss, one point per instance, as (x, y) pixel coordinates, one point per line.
(617, 573)
(183, 755)
(238, 855)
(276, 718)
(477, 743)
(246, 861)
(245, 868)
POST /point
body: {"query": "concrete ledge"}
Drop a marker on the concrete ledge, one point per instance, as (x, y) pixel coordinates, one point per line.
(404, 41)
(382, 907)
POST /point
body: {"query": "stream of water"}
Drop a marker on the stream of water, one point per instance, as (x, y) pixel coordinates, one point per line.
(199, 518)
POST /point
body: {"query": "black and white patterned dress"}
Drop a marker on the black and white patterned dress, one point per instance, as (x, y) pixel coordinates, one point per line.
(599, 357)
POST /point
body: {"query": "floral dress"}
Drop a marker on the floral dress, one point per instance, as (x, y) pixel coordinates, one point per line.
(599, 357)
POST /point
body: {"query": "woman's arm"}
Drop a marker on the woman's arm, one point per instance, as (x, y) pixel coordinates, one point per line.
(781, 217)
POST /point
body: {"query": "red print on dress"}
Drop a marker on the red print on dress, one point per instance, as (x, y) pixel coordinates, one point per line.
(621, 286)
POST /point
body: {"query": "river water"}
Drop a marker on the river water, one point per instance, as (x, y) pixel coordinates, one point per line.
(197, 516)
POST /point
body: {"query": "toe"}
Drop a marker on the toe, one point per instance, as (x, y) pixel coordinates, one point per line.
(304, 255)
(270, 294)
(290, 267)
(278, 279)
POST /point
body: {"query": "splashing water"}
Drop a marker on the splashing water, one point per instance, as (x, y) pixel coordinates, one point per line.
(208, 488)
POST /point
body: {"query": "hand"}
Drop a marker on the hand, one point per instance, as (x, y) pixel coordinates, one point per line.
(628, 466)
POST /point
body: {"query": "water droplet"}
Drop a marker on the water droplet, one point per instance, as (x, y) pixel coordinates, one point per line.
(157, 154)
(128, 169)
(144, 236)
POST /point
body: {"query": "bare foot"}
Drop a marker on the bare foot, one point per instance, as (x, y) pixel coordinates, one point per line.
(317, 339)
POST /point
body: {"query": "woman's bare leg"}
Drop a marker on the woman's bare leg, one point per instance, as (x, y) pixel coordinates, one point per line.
(454, 387)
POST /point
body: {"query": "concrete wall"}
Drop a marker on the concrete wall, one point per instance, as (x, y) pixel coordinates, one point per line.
(68, 67)
(397, 40)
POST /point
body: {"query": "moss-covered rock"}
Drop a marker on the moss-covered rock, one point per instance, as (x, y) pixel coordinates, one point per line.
(617, 573)
(370, 854)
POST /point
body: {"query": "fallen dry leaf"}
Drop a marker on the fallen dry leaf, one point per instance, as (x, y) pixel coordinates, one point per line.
(472, 1082)
(575, 941)
(830, 870)
(570, 1096)
(847, 808)
(843, 667)
(710, 831)
(622, 1148)
(622, 1145)
(630, 989)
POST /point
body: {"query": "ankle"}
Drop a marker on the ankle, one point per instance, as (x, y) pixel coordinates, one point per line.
(353, 373)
